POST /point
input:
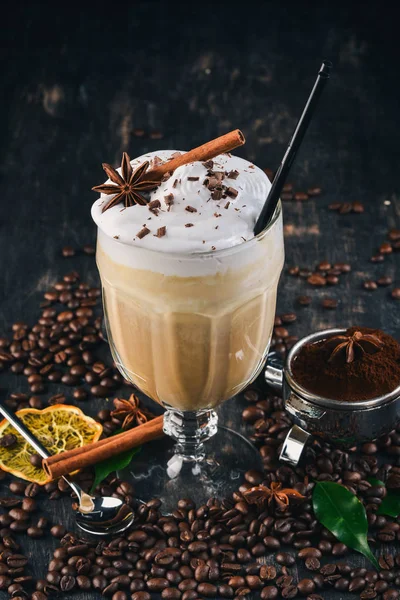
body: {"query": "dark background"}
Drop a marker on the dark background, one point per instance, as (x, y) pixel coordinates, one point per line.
(78, 79)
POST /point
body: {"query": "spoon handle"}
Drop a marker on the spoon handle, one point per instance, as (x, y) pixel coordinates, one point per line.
(33, 441)
(24, 431)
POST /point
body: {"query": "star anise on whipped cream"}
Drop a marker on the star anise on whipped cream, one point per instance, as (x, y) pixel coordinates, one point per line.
(128, 186)
(347, 349)
(275, 494)
(129, 412)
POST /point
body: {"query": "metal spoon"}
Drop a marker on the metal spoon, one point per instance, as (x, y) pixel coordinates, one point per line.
(97, 515)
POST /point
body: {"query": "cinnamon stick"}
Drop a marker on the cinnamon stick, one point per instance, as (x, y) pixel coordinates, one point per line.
(224, 143)
(91, 454)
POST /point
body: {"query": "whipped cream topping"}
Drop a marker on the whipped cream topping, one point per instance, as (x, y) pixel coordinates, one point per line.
(194, 221)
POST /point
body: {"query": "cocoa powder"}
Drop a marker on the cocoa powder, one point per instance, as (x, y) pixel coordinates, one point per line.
(367, 377)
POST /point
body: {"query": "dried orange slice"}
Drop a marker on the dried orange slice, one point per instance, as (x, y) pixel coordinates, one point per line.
(59, 428)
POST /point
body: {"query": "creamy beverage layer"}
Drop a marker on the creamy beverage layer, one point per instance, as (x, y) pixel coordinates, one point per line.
(197, 215)
(191, 342)
(190, 303)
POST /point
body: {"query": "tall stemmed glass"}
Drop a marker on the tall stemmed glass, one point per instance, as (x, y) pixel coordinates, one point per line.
(191, 331)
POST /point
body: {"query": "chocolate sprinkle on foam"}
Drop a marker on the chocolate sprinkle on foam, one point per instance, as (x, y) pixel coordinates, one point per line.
(161, 231)
(143, 232)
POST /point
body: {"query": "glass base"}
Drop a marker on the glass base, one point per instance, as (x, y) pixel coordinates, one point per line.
(158, 472)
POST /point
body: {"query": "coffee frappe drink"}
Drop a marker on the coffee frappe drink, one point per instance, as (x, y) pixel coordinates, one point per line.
(189, 299)
(189, 295)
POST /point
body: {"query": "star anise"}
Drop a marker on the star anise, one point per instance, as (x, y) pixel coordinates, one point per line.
(130, 412)
(347, 349)
(128, 186)
(261, 494)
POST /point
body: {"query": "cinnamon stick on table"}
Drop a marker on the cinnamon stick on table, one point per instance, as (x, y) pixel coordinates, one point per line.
(91, 454)
(224, 143)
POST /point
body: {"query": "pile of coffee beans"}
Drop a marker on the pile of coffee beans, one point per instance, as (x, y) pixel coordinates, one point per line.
(224, 549)
(61, 347)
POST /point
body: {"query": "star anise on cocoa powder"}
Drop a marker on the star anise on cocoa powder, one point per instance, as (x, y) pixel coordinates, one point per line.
(347, 349)
(128, 186)
(275, 494)
(130, 412)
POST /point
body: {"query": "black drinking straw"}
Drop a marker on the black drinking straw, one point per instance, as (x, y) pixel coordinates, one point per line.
(294, 144)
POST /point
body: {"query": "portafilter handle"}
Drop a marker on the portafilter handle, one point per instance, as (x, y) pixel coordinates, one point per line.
(297, 437)
(274, 372)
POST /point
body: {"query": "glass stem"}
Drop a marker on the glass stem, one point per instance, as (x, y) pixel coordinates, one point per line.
(190, 429)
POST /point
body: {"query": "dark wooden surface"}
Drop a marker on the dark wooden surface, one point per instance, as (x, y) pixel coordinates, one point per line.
(76, 83)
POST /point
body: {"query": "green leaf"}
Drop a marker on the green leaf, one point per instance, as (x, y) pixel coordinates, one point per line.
(343, 514)
(390, 504)
(119, 462)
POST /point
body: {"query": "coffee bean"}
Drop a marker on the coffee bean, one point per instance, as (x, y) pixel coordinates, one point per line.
(67, 583)
(377, 258)
(300, 196)
(270, 592)
(39, 596)
(8, 440)
(284, 558)
(339, 549)
(312, 564)
(385, 248)
(306, 586)
(208, 590)
(384, 280)
(396, 293)
(36, 460)
(316, 280)
(141, 596)
(18, 514)
(157, 584)
(58, 531)
(35, 532)
(341, 584)
(357, 584)
(329, 303)
(289, 592)
(89, 249)
(120, 595)
(391, 594)
(171, 594)
(252, 413)
(225, 591)
(304, 300)
(288, 317)
(328, 569)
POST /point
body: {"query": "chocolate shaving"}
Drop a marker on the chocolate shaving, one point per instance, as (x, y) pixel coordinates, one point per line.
(233, 174)
(208, 164)
(169, 200)
(191, 209)
(231, 192)
(189, 225)
(175, 183)
(217, 194)
(143, 232)
(193, 178)
(161, 231)
(155, 162)
(153, 205)
(217, 214)
(227, 204)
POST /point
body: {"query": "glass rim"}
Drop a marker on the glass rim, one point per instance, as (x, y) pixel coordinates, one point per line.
(208, 253)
